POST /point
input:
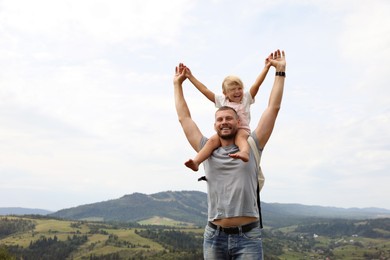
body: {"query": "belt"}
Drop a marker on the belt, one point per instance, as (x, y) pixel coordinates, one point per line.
(234, 230)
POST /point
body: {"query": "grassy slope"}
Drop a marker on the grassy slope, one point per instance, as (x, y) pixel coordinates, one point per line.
(346, 246)
(95, 244)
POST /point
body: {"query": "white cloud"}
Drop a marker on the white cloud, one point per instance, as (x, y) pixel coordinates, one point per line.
(107, 21)
(86, 98)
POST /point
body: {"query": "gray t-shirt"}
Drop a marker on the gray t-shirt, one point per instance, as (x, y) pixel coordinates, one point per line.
(231, 183)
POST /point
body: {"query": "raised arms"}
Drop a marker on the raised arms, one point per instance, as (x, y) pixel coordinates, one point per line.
(190, 129)
(259, 80)
(267, 121)
(200, 86)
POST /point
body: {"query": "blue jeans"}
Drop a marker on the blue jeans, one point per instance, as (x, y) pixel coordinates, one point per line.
(219, 245)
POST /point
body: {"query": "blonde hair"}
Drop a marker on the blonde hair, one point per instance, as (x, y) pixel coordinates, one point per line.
(231, 81)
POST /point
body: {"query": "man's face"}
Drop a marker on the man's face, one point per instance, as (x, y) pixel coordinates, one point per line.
(226, 124)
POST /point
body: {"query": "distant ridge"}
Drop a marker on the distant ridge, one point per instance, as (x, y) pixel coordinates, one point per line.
(23, 211)
(185, 206)
(191, 206)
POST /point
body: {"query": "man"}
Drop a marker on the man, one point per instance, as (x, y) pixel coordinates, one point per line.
(233, 230)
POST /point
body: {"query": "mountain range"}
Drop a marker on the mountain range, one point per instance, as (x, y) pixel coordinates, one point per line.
(23, 211)
(191, 207)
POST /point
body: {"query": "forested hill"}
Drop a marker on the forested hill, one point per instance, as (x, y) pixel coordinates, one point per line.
(191, 206)
(184, 206)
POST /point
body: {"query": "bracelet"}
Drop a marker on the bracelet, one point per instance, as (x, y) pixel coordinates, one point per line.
(280, 73)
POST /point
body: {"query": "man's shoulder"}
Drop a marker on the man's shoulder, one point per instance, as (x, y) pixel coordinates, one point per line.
(255, 139)
(203, 141)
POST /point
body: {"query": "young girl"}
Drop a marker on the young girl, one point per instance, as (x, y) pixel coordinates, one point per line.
(235, 97)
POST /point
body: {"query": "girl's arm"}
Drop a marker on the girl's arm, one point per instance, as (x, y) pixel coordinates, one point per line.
(200, 86)
(259, 80)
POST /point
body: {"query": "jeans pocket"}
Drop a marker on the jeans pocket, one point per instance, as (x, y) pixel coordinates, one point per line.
(255, 234)
(209, 233)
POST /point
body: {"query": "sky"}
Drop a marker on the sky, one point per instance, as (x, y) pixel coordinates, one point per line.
(86, 97)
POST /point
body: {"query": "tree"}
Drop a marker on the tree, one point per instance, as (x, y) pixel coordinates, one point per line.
(5, 255)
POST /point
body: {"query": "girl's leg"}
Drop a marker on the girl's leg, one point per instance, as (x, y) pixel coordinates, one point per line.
(242, 143)
(211, 144)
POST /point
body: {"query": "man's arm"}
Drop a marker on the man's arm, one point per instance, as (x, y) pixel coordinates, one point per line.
(190, 129)
(260, 78)
(266, 124)
(200, 86)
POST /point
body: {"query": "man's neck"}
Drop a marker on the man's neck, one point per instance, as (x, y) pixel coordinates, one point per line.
(226, 142)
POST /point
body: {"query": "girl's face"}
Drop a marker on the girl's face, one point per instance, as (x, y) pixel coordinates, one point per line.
(234, 93)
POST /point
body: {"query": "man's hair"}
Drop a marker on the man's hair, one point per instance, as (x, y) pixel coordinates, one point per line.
(224, 108)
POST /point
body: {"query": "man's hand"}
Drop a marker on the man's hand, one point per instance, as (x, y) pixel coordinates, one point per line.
(278, 60)
(179, 76)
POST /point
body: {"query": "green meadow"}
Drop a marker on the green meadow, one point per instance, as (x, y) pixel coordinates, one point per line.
(164, 238)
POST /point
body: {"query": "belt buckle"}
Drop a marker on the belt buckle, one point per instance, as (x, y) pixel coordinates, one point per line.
(231, 230)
